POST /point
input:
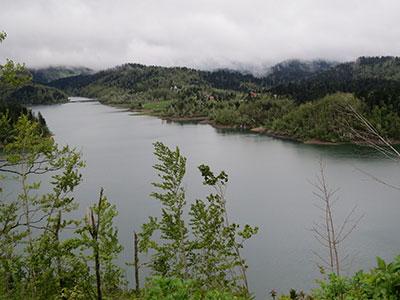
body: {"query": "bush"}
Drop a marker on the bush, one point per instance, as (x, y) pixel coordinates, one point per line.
(382, 282)
(176, 289)
(227, 116)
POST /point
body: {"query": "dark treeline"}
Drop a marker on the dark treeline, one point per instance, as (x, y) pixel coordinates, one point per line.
(17, 87)
(376, 80)
(9, 115)
(293, 70)
(46, 75)
(15, 91)
(31, 94)
(140, 77)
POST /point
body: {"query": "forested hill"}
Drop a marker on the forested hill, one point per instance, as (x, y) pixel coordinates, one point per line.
(45, 75)
(376, 80)
(130, 75)
(140, 78)
(33, 94)
(293, 70)
(143, 83)
(121, 83)
(134, 83)
(35, 91)
(30, 93)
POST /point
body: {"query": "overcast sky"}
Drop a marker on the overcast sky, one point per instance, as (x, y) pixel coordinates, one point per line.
(196, 33)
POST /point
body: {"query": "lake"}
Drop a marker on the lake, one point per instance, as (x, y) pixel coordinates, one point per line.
(269, 186)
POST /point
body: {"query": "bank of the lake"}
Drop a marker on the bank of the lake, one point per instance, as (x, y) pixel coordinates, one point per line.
(255, 130)
(362, 137)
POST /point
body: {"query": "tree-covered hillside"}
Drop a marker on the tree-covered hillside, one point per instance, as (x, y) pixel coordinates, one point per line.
(294, 70)
(33, 94)
(13, 76)
(45, 75)
(17, 88)
(376, 80)
(35, 91)
(135, 78)
(134, 82)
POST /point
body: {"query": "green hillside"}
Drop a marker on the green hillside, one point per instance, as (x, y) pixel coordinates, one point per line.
(45, 75)
(33, 94)
(375, 80)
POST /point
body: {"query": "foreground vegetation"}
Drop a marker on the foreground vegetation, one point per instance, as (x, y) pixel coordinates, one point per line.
(47, 254)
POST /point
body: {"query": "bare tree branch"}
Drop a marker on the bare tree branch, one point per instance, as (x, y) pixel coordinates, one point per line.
(326, 233)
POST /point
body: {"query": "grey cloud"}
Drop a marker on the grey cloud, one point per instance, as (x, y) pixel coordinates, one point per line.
(201, 33)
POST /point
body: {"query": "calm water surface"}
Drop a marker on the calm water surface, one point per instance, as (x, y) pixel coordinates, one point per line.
(269, 186)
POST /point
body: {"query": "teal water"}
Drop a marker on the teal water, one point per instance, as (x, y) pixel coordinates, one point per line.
(269, 187)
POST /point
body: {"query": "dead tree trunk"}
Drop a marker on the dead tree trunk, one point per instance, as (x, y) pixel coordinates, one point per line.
(327, 233)
(136, 260)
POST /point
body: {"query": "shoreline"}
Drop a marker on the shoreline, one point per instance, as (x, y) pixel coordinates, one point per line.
(255, 130)
(258, 130)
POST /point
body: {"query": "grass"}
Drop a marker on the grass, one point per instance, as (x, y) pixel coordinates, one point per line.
(157, 106)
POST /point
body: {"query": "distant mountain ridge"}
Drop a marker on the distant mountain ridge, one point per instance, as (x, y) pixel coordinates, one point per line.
(128, 76)
(374, 79)
(38, 91)
(140, 78)
(33, 94)
(46, 75)
(293, 70)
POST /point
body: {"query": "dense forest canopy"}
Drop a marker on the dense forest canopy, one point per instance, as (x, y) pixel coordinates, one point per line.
(302, 81)
(374, 79)
(138, 77)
